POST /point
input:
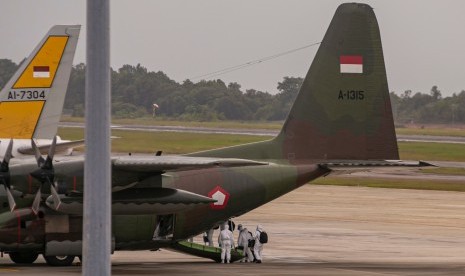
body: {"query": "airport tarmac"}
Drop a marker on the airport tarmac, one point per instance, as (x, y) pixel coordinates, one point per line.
(325, 230)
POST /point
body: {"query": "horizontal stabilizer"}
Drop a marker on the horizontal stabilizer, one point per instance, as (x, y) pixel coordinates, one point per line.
(352, 166)
(157, 201)
(60, 147)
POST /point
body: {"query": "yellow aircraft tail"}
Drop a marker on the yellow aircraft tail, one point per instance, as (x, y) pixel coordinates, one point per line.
(32, 101)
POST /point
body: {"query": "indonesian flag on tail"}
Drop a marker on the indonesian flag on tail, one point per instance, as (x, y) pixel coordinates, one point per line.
(41, 72)
(351, 64)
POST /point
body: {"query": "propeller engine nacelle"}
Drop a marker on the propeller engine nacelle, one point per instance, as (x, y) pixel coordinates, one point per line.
(22, 229)
(46, 232)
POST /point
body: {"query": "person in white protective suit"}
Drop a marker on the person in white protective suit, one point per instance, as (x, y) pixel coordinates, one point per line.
(226, 240)
(258, 247)
(243, 243)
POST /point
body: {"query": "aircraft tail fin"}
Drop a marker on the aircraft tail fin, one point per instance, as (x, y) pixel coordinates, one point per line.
(343, 109)
(32, 101)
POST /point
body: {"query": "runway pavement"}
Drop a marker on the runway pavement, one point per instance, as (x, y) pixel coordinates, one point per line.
(326, 230)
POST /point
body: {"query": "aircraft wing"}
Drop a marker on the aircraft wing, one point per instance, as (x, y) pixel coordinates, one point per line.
(352, 166)
(151, 198)
(153, 164)
(60, 147)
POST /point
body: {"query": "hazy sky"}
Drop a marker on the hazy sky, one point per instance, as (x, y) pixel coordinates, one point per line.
(423, 41)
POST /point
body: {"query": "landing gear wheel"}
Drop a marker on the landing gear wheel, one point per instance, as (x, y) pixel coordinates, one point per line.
(59, 260)
(23, 258)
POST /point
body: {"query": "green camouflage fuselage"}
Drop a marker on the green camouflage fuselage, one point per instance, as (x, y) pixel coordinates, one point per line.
(246, 188)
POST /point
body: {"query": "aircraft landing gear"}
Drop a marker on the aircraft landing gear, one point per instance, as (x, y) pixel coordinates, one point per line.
(59, 260)
(23, 258)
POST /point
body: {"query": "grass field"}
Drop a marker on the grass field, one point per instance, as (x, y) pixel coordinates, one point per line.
(178, 142)
(393, 183)
(168, 142)
(147, 121)
(431, 151)
(433, 130)
(444, 171)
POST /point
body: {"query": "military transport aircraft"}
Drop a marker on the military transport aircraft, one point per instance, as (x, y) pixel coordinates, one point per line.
(32, 101)
(341, 121)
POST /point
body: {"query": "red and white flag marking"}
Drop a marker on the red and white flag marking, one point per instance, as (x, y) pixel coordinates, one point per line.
(351, 64)
(41, 72)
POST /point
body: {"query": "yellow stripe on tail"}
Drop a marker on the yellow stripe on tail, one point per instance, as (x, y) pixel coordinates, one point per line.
(18, 119)
(41, 71)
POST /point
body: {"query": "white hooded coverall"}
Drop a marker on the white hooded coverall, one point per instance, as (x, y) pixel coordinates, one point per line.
(258, 248)
(226, 240)
(243, 240)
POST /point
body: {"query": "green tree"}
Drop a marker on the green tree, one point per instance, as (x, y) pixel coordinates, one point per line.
(135, 89)
(7, 69)
(76, 89)
(435, 93)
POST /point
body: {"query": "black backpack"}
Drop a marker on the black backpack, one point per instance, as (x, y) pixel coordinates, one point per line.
(251, 241)
(263, 237)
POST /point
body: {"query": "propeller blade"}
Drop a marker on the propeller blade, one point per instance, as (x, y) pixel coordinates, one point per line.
(45, 174)
(51, 152)
(8, 152)
(5, 175)
(39, 158)
(36, 204)
(11, 199)
(7, 157)
(56, 197)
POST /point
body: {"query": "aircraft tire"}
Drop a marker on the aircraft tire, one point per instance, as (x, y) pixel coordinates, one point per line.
(59, 260)
(23, 258)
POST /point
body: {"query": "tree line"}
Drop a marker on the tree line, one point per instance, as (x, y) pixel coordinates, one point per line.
(135, 89)
(428, 107)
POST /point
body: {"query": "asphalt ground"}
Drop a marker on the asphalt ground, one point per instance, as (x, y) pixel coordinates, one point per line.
(324, 230)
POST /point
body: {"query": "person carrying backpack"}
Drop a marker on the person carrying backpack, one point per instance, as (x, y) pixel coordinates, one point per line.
(261, 237)
(243, 243)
